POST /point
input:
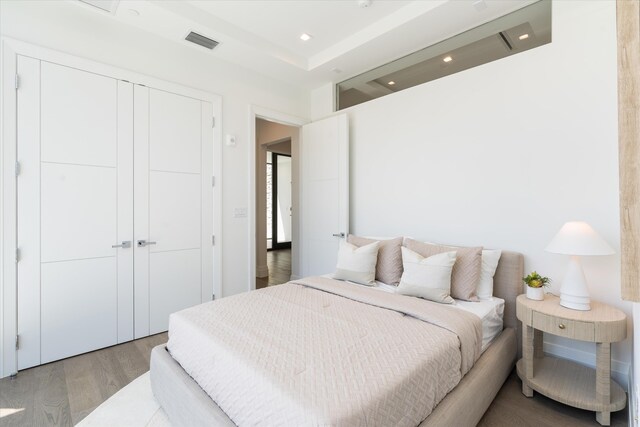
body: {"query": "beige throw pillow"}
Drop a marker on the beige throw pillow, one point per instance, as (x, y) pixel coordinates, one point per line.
(357, 264)
(389, 265)
(466, 271)
(428, 278)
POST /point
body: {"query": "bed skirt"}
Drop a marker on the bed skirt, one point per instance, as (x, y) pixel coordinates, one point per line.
(186, 404)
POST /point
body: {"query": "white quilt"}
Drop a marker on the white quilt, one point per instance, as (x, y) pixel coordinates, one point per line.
(324, 352)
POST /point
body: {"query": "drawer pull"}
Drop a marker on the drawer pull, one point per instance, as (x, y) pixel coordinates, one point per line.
(561, 326)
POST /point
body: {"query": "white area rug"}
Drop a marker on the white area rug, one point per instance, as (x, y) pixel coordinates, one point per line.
(133, 406)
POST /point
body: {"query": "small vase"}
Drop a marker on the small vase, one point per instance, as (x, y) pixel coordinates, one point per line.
(535, 293)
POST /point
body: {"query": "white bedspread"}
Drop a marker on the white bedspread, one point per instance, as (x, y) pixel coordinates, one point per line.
(490, 312)
(324, 352)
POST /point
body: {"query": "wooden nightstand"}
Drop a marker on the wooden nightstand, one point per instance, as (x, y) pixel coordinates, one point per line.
(563, 380)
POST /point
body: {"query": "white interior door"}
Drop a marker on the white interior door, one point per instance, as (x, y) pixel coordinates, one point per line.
(324, 190)
(174, 206)
(75, 192)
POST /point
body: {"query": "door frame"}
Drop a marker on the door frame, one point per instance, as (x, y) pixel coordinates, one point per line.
(9, 50)
(258, 112)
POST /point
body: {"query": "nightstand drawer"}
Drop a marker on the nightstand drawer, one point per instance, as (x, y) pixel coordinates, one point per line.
(584, 331)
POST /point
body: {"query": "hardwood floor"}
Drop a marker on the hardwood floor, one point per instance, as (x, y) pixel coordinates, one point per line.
(64, 392)
(279, 263)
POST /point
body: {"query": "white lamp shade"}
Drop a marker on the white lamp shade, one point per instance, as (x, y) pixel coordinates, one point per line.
(578, 238)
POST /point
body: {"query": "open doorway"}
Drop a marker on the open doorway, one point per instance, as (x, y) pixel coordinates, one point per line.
(276, 222)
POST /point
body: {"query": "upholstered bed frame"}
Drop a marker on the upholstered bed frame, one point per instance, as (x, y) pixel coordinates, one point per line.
(186, 404)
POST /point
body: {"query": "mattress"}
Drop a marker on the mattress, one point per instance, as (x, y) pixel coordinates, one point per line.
(324, 352)
(490, 312)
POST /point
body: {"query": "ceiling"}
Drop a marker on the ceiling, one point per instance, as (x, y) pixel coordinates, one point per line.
(293, 18)
(486, 43)
(347, 39)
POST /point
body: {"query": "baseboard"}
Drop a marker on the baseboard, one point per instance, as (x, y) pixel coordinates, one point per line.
(619, 370)
(262, 271)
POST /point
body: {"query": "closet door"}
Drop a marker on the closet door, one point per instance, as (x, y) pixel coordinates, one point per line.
(74, 205)
(173, 206)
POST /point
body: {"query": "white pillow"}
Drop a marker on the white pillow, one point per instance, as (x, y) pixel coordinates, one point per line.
(490, 259)
(357, 264)
(428, 278)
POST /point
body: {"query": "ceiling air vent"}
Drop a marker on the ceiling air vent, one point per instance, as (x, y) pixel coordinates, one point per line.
(201, 40)
(106, 5)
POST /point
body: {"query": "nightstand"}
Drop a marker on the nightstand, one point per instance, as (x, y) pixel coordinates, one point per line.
(562, 380)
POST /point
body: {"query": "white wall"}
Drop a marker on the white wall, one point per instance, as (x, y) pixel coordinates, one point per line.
(502, 155)
(66, 27)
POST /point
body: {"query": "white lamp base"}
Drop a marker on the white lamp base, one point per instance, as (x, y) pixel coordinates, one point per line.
(574, 293)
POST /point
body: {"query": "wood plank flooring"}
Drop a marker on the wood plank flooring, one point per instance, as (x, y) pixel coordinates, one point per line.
(64, 392)
(279, 263)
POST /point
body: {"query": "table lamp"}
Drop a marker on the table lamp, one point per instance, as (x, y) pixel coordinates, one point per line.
(577, 239)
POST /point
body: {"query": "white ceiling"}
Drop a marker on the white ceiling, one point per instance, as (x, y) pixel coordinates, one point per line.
(282, 22)
(263, 35)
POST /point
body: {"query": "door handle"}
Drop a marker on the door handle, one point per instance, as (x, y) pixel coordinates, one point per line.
(125, 244)
(143, 243)
(341, 235)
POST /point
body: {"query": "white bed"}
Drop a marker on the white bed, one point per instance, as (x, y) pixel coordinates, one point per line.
(186, 403)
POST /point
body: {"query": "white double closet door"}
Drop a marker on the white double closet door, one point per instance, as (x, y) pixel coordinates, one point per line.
(115, 209)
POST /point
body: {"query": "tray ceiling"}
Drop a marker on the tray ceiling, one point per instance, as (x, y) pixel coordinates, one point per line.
(347, 39)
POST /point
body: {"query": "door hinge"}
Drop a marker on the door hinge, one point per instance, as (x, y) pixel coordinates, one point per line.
(213, 122)
(18, 169)
(17, 342)
(213, 240)
(17, 254)
(17, 81)
(213, 181)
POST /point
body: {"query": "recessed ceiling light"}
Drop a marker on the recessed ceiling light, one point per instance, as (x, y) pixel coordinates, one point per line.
(305, 37)
(524, 37)
(336, 70)
(391, 83)
(447, 59)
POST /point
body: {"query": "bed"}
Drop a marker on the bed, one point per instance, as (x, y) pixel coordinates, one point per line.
(287, 378)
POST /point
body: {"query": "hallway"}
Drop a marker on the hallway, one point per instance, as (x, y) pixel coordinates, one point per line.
(279, 263)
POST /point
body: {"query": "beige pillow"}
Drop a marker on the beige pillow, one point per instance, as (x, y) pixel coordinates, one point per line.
(466, 271)
(357, 264)
(389, 266)
(428, 278)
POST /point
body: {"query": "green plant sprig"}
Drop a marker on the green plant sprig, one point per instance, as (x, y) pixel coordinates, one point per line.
(534, 280)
